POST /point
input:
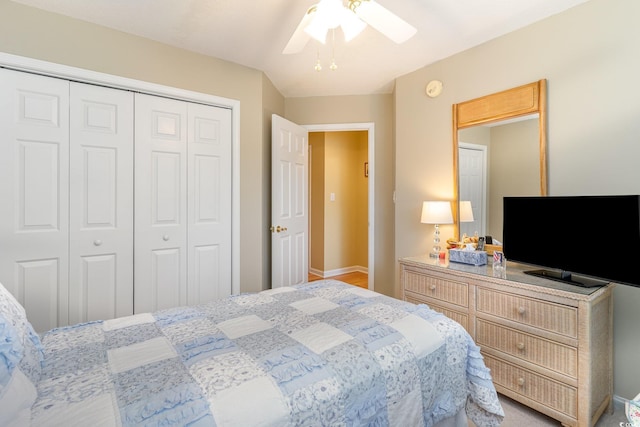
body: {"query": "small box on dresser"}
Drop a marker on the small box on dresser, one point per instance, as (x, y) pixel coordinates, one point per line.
(468, 257)
(548, 344)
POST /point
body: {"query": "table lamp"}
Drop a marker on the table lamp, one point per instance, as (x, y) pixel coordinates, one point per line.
(436, 212)
(466, 212)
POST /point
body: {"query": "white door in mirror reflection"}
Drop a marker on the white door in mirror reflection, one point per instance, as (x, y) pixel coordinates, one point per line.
(472, 169)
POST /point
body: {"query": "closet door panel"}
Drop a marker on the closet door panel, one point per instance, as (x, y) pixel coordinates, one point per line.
(101, 214)
(160, 239)
(209, 203)
(34, 181)
(165, 273)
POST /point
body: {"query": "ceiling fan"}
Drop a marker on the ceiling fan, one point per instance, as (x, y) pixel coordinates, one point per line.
(352, 19)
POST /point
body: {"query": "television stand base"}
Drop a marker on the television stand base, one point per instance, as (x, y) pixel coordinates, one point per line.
(566, 277)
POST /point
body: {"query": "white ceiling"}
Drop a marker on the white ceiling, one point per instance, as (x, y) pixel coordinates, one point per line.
(253, 33)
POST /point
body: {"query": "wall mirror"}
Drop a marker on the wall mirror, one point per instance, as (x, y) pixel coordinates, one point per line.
(499, 149)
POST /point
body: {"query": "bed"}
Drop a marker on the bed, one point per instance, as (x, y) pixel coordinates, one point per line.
(324, 353)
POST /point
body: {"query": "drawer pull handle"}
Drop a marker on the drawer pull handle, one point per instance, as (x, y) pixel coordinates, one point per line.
(165, 237)
(520, 346)
(521, 382)
(97, 242)
(521, 310)
(432, 287)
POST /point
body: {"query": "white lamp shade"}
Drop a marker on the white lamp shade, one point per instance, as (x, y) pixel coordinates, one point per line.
(466, 212)
(436, 213)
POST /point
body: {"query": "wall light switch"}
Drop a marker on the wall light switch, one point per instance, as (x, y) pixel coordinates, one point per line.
(332, 197)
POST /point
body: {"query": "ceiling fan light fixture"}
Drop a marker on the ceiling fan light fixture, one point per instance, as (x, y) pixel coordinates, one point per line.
(351, 25)
(328, 15)
(317, 30)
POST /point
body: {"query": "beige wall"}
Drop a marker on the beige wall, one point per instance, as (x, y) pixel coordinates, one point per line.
(316, 179)
(345, 218)
(589, 54)
(377, 109)
(37, 34)
(339, 231)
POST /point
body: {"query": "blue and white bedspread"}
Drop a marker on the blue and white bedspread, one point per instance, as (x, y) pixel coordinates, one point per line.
(319, 354)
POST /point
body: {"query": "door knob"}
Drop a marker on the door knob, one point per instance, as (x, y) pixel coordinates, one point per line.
(277, 229)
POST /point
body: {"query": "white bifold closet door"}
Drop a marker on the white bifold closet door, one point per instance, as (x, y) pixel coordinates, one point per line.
(101, 203)
(66, 217)
(182, 203)
(75, 245)
(34, 194)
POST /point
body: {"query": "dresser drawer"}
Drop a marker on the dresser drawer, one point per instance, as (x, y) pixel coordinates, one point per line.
(548, 354)
(545, 315)
(461, 318)
(550, 393)
(437, 288)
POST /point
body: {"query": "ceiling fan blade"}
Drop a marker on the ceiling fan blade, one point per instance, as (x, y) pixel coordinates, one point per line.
(300, 38)
(384, 21)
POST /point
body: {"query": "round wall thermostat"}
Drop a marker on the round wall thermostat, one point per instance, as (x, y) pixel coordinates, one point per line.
(434, 88)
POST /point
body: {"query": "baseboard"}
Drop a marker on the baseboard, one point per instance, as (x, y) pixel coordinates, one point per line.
(316, 272)
(331, 273)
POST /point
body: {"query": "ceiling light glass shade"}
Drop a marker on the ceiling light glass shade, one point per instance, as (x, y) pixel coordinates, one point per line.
(351, 25)
(330, 14)
(318, 30)
(466, 211)
(326, 16)
(436, 213)
(383, 20)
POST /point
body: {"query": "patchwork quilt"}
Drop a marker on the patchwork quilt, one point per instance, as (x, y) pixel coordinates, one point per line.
(320, 354)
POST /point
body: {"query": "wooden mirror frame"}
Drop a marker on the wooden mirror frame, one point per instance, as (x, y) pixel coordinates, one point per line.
(519, 101)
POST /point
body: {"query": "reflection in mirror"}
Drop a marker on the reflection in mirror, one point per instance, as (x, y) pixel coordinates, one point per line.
(499, 146)
(496, 160)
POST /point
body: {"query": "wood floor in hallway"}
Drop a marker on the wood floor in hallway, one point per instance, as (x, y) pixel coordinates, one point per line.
(355, 278)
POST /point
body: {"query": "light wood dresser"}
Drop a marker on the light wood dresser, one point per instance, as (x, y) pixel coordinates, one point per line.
(549, 345)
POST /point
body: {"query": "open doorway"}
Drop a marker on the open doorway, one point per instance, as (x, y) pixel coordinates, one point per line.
(341, 199)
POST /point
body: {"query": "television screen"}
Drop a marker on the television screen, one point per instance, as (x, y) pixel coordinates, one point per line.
(596, 236)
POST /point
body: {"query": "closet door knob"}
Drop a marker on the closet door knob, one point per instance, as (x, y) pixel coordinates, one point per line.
(97, 242)
(165, 237)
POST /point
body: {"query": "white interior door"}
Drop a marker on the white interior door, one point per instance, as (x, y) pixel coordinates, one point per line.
(34, 190)
(289, 203)
(160, 240)
(209, 203)
(101, 203)
(472, 166)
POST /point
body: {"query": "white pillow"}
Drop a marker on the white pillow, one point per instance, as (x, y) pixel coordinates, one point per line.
(21, 356)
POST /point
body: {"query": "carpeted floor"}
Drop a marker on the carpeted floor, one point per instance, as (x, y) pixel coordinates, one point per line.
(517, 415)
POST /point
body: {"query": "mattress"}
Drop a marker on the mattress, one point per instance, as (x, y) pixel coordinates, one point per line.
(320, 354)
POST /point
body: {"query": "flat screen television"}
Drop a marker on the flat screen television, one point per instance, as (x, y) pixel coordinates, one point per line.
(583, 240)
